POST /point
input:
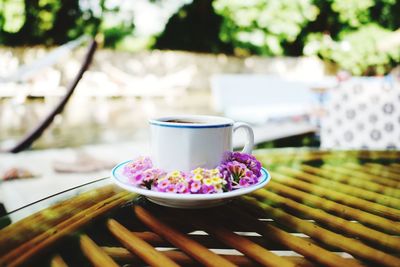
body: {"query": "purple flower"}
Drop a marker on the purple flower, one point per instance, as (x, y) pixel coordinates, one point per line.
(171, 189)
(173, 182)
(207, 189)
(136, 179)
(244, 182)
(137, 166)
(141, 172)
(195, 186)
(249, 160)
(162, 185)
(181, 188)
(239, 170)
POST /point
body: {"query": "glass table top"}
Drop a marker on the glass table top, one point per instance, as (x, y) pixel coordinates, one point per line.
(330, 208)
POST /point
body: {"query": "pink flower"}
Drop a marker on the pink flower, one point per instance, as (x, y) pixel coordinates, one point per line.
(244, 182)
(137, 179)
(240, 170)
(140, 172)
(171, 189)
(208, 189)
(195, 186)
(163, 184)
(249, 160)
(181, 188)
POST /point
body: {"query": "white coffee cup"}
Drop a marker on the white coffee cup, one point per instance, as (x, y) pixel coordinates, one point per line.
(186, 142)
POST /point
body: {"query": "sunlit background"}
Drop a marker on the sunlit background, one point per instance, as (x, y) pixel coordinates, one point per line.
(311, 73)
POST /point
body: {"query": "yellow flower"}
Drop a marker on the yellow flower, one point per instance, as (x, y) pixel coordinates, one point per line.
(216, 180)
(165, 177)
(198, 177)
(214, 172)
(175, 173)
(198, 171)
(208, 181)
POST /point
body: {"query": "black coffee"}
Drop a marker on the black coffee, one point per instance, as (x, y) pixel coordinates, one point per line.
(182, 121)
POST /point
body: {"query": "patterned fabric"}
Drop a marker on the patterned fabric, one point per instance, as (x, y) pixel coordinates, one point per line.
(363, 113)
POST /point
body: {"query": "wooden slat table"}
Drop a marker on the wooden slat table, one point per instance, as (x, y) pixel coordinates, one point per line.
(321, 208)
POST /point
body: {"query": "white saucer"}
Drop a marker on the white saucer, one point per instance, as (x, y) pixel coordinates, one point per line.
(185, 201)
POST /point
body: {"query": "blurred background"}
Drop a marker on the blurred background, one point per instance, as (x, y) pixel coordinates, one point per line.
(303, 73)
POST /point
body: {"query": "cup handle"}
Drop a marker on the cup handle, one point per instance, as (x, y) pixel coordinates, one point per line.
(249, 133)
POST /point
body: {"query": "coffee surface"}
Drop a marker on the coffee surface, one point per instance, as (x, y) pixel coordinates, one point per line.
(183, 121)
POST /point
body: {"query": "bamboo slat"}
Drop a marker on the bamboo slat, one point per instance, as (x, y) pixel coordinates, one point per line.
(304, 247)
(343, 188)
(368, 206)
(138, 246)
(336, 208)
(192, 248)
(95, 254)
(395, 166)
(390, 168)
(362, 175)
(353, 229)
(33, 247)
(375, 169)
(244, 245)
(15, 234)
(350, 245)
(209, 242)
(377, 184)
(57, 261)
(124, 255)
(379, 155)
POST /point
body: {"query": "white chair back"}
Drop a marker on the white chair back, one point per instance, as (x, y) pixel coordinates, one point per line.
(363, 113)
(258, 97)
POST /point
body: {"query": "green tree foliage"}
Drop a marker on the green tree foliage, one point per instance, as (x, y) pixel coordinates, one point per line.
(356, 51)
(263, 27)
(353, 12)
(346, 32)
(53, 22)
(195, 27)
(354, 43)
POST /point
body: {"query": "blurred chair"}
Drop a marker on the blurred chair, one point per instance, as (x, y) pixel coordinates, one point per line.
(363, 113)
(259, 98)
(277, 107)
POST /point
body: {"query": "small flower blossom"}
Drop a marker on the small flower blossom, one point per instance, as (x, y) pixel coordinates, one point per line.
(175, 173)
(182, 188)
(171, 189)
(198, 177)
(195, 186)
(197, 171)
(163, 184)
(141, 172)
(218, 187)
(240, 170)
(207, 189)
(216, 180)
(207, 181)
(173, 182)
(214, 172)
(249, 160)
